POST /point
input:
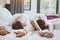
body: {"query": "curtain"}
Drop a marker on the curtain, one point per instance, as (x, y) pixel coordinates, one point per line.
(16, 6)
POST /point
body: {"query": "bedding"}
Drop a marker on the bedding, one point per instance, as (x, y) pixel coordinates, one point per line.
(52, 16)
(5, 16)
(31, 36)
(35, 36)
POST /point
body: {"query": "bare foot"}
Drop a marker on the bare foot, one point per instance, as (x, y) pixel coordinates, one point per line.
(50, 35)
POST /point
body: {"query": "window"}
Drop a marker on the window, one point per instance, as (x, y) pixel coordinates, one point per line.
(47, 6)
(54, 6)
(27, 4)
(59, 7)
(44, 5)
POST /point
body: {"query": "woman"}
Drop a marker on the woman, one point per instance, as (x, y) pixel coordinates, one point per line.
(18, 24)
(40, 25)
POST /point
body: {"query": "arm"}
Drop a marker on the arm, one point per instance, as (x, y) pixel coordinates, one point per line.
(35, 25)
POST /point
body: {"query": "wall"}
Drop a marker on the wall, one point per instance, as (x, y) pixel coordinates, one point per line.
(3, 2)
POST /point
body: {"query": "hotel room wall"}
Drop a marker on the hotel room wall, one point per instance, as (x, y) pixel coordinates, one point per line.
(3, 2)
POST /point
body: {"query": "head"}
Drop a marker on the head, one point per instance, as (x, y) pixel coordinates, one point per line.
(38, 18)
(17, 19)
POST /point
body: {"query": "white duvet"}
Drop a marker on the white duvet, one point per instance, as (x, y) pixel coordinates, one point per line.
(31, 36)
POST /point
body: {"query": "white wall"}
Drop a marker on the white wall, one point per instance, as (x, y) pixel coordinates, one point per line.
(3, 2)
(8, 1)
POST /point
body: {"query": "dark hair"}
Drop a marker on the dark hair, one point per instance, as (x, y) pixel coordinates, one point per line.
(41, 24)
(17, 25)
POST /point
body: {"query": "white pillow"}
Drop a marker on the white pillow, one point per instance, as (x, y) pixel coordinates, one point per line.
(5, 16)
(42, 17)
(28, 26)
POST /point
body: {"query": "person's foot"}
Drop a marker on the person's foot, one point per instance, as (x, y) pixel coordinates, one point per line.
(19, 34)
(46, 34)
(50, 35)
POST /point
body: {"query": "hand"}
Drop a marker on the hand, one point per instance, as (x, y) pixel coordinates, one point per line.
(4, 32)
(50, 35)
(41, 33)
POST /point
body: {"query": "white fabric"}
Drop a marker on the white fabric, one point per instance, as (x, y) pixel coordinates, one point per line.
(28, 24)
(36, 36)
(56, 23)
(31, 36)
(5, 16)
(14, 17)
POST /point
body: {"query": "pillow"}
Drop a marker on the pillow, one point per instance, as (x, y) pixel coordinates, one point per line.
(52, 16)
(28, 26)
(14, 17)
(5, 16)
(42, 17)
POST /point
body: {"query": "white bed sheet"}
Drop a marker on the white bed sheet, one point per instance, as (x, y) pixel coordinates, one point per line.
(36, 36)
(31, 36)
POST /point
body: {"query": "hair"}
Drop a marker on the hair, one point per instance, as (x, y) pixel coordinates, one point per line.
(17, 24)
(41, 24)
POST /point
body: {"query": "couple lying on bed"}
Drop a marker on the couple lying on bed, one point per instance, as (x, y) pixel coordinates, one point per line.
(38, 25)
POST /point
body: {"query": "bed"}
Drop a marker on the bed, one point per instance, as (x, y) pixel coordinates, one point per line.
(30, 36)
